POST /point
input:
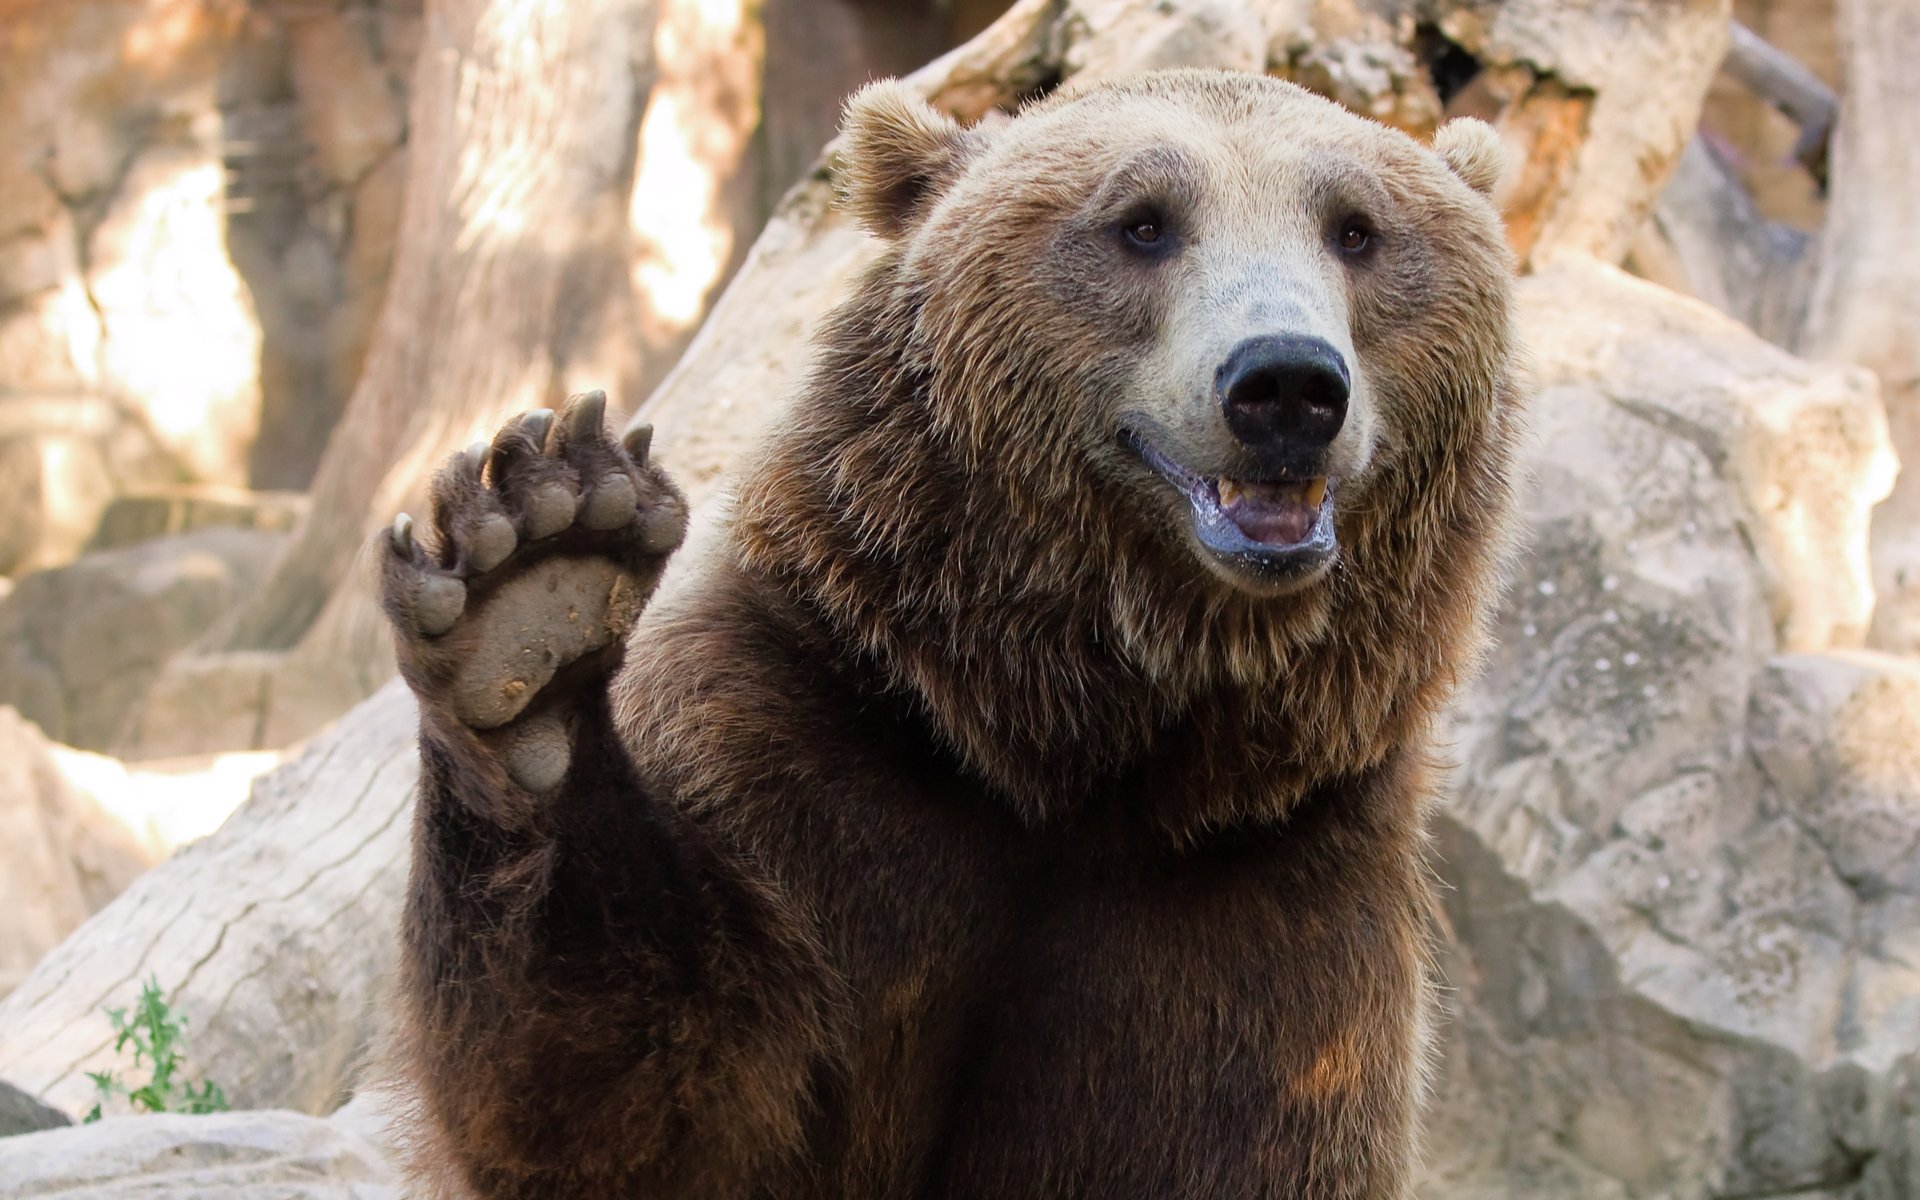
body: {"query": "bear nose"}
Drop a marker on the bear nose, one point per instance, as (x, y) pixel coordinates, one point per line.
(1285, 397)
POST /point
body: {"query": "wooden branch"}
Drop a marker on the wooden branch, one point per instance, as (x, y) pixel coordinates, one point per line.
(1783, 82)
(1008, 60)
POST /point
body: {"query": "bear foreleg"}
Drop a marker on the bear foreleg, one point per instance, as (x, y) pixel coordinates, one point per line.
(594, 1001)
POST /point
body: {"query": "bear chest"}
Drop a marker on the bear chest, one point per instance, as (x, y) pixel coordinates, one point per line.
(1224, 1027)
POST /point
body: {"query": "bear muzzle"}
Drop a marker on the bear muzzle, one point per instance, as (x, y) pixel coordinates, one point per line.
(1271, 533)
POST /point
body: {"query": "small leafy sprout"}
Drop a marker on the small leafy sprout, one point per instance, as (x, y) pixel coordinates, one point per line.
(154, 1031)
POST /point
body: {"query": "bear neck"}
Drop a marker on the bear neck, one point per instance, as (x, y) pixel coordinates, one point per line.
(1070, 674)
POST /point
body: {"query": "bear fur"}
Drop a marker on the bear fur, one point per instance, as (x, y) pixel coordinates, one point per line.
(958, 825)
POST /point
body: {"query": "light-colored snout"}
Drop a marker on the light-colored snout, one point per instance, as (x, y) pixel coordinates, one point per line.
(1263, 382)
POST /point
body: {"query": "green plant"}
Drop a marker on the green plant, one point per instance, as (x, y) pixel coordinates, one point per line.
(154, 1031)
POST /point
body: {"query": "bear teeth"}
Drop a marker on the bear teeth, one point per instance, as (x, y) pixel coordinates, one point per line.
(1310, 493)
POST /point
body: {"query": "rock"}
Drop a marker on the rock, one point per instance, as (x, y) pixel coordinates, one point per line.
(1763, 138)
(64, 454)
(1561, 1080)
(184, 508)
(1682, 909)
(219, 1156)
(80, 644)
(61, 857)
(112, 257)
(319, 153)
(274, 937)
(1594, 100)
(21, 1113)
(187, 174)
(351, 114)
(1646, 373)
(203, 705)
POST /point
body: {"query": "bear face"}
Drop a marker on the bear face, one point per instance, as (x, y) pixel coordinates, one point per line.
(1176, 418)
(1231, 305)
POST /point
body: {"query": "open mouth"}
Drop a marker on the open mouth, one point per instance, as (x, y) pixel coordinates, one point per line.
(1281, 529)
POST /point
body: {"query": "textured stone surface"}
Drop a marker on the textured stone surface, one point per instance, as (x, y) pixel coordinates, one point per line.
(161, 512)
(112, 259)
(1683, 916)
(197, 173)
(1594, 100)
(1652, 404)
(80, 644)
(315, 105)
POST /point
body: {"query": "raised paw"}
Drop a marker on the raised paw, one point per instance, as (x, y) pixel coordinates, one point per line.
(543, 548)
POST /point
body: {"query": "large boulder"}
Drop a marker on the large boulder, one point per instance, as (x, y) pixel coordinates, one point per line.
(81, 644)
(221, 1156)
(315, 102)
(61, 857)
(195, 173)
(1683, 907)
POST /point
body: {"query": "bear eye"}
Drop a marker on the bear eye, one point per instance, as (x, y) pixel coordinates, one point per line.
(1146, 230)
(1356, 236)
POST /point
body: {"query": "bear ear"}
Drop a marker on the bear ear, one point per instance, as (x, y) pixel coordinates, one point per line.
(897, 154)
(1473, 150)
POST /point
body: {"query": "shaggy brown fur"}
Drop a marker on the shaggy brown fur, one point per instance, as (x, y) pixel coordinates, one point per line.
(953, 828)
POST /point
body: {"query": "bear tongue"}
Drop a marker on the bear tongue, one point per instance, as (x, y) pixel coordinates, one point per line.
(1273, 514)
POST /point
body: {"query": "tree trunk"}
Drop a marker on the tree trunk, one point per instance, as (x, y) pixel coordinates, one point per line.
(523, 132)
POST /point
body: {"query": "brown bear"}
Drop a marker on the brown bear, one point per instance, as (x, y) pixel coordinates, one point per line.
(1022, 794)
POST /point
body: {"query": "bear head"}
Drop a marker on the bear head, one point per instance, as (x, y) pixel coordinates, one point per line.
(1171, 384)
(1251, 294)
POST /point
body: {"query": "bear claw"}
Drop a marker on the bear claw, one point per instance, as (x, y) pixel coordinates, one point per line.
(638, 443)
(538, 424)
(586, 414)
